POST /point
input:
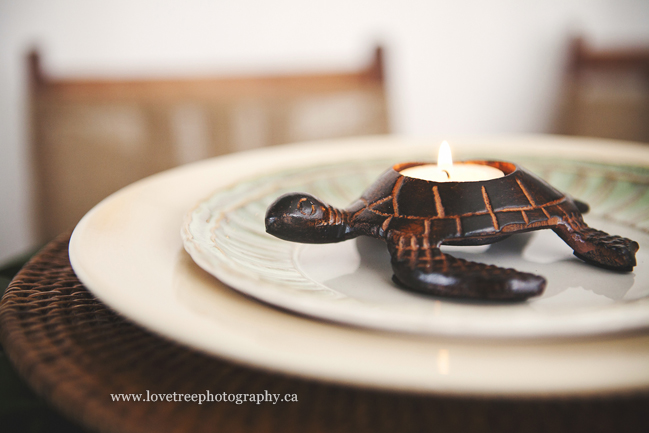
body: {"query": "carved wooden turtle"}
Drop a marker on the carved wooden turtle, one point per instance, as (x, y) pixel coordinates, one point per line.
(415, 217)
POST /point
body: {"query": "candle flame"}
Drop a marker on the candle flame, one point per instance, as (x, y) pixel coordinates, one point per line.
(444, 157)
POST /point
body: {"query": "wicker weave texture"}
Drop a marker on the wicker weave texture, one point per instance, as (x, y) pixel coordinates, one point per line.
(75, 352)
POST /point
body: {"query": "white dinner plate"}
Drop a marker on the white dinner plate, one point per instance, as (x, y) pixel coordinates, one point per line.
(127, 251)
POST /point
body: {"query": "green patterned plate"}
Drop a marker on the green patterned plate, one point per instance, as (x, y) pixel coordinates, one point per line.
(350, 282)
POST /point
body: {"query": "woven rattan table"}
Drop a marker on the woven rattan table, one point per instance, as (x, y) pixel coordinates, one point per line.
(75, 352)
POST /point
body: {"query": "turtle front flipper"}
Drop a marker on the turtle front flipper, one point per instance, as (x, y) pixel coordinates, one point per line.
(423, 268)
(598, 247)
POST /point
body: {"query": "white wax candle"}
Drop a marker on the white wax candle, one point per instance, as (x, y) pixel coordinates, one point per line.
(458, 172)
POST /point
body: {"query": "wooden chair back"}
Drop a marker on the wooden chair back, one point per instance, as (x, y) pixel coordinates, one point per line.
(607, 93)
(90, 137)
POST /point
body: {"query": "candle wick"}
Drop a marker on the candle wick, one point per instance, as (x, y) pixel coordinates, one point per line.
(448, 176)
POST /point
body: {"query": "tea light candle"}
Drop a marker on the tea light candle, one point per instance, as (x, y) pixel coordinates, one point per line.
(446, 171)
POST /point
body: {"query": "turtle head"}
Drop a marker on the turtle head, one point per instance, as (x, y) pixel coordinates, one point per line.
(301, 217)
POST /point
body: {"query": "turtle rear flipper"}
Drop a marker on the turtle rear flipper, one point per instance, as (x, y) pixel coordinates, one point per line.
(428, 270)
(598, 247)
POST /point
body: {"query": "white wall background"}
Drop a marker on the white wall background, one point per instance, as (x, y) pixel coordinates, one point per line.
(464, 66)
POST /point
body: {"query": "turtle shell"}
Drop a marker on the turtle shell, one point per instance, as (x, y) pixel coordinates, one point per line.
(516, 202)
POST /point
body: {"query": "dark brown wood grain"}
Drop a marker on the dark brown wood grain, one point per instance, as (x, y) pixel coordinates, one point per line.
(415, 217)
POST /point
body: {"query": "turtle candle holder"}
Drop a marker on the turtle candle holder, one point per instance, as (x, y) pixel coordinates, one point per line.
(415, 217)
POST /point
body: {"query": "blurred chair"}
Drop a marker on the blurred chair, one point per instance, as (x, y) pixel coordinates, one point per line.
(607, 93)
(91, 137)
